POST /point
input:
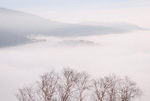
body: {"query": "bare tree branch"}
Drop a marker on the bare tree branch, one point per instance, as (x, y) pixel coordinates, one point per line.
(48, 85)
(129, 90)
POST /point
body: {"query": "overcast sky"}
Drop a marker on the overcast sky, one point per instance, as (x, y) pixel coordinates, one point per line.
(80, 4)
(77, 11)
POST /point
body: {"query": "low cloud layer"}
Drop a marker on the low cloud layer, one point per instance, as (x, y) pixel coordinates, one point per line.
(76, 43)
(123, 54)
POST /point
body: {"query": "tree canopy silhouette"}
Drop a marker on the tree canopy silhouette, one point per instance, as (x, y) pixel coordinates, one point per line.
(70, 85)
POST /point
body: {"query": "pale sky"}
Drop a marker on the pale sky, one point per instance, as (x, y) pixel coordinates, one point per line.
(80, 4)
(77, 11)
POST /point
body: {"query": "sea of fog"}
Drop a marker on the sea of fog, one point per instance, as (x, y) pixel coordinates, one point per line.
(123, 54)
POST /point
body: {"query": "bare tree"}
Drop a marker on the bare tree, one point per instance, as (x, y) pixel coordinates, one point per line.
(47, 86)
(129, 90)
(67, 86)
(44, 90)
(113, 88)
(83, 86)
(113, 91)
(100, 89)
(26, 94)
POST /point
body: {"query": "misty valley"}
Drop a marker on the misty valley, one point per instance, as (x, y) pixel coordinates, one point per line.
(31, 45)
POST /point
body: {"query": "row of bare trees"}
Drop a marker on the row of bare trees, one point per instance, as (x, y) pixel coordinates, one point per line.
(70, 85)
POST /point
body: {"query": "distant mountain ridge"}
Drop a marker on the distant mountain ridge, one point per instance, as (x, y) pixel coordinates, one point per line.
(24, 23)
(15, 26)
(7, 39)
